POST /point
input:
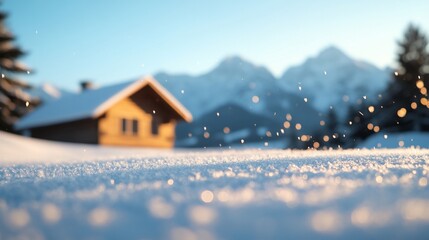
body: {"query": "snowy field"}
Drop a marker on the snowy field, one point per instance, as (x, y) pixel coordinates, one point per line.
(65, 191)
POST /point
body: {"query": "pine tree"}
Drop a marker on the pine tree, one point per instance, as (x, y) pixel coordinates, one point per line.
(14, 102)
(361, 127)
(293, 140)
(332, 129)
(405, 105)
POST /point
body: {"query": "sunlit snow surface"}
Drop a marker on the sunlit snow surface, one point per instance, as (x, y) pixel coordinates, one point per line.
(213, 194)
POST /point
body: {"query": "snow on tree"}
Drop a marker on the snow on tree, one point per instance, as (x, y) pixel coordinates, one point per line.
(14, 101)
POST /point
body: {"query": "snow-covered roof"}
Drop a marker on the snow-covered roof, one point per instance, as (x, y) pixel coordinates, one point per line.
(94, 102)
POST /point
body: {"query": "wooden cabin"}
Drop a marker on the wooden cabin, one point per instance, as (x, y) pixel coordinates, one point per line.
(135, 113)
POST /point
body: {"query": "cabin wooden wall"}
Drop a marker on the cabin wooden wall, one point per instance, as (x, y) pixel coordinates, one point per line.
(82, 131)
(110, 127)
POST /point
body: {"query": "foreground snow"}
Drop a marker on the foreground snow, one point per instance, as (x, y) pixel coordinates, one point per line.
(61, 191)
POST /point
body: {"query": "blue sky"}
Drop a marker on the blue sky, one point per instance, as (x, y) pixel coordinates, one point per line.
(113, 40)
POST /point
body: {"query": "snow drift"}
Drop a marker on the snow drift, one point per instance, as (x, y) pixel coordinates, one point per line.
(60, 191)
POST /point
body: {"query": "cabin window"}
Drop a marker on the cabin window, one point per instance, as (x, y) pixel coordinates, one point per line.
(129, 126)
(124, 126)
(135, 127)
(155, 126)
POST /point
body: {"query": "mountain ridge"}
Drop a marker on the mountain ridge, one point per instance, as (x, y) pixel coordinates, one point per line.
(333, 78)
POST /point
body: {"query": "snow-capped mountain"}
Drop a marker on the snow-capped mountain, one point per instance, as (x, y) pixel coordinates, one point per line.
(236, 85)
(329, 79)
(238, 82)
(334, 79)
(234, 80)
(306, 92)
